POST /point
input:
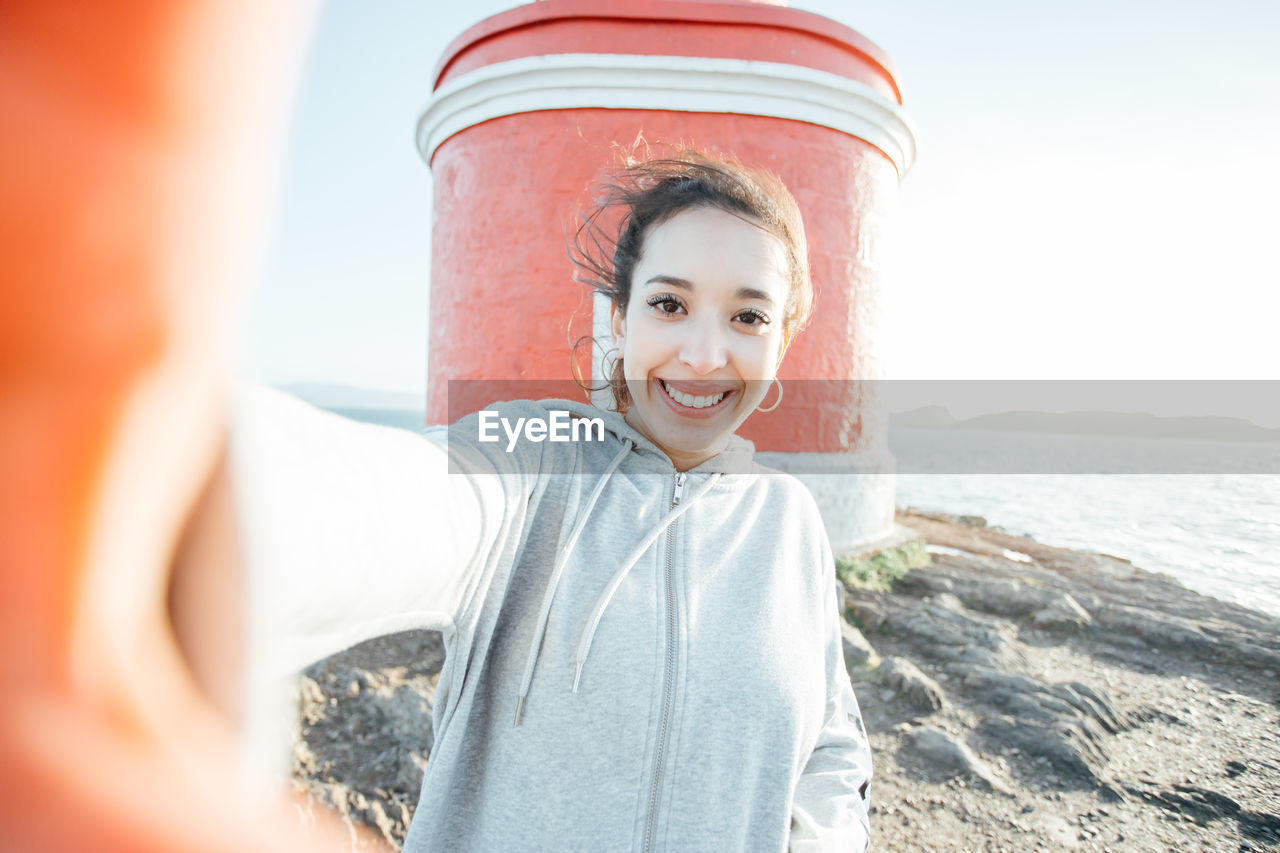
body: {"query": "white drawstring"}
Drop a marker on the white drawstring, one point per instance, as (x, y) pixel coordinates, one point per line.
(550, 593)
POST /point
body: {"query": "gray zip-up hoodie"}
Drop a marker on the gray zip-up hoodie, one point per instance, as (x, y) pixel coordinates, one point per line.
(636, 659)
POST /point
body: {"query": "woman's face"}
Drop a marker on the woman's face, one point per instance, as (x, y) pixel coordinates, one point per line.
(702, 337)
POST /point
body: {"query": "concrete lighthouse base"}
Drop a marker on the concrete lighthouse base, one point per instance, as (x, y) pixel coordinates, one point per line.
(854, 492)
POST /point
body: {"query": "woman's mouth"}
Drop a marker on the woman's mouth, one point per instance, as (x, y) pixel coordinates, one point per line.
(694, 405)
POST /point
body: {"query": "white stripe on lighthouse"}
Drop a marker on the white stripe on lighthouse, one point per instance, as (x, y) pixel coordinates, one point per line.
(680, 83)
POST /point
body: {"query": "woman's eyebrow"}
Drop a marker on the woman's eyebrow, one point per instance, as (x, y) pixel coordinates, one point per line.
(685, 284)
(682, 283)
(752, 293)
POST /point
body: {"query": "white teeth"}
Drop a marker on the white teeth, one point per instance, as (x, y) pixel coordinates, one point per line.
(691, 401)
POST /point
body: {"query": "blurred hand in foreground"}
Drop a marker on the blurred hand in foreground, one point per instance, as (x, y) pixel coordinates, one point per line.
(138, 156)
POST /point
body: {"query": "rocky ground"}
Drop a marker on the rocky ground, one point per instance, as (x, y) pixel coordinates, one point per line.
(1019, 697)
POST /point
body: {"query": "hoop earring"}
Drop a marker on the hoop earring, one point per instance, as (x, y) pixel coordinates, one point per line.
(608, 364)
(777, 402)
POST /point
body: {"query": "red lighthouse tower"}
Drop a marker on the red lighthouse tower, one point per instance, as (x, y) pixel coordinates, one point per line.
(527, 107)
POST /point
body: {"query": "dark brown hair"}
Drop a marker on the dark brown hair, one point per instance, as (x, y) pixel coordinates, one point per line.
(645, 193)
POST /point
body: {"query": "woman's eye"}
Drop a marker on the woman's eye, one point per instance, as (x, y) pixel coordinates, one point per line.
(665, 304)
(752, 317)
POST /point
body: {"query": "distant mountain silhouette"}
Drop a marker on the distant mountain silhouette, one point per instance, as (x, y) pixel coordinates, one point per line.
(928, 416)
(1137, 424)
(388, 408)
(336, 397)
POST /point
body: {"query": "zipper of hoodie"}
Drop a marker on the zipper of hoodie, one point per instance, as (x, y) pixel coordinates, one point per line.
(668, 672)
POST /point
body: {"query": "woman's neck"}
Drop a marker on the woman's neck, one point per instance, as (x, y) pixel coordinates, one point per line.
(682, 460)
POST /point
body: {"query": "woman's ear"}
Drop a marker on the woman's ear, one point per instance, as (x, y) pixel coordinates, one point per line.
(618, 325)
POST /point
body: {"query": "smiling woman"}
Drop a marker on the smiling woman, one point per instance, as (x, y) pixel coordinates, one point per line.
(641, 627)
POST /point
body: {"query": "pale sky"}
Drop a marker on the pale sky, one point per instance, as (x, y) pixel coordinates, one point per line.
(1096, 195)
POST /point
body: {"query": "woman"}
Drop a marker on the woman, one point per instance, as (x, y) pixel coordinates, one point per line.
(642, 636)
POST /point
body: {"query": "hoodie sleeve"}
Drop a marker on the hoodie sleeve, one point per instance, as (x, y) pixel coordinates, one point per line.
(350, 530)
(830, 807)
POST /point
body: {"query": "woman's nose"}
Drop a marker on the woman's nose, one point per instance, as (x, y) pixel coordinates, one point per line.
(704, 351)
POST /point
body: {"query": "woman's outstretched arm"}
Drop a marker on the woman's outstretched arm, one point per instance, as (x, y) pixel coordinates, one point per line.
(350, 530)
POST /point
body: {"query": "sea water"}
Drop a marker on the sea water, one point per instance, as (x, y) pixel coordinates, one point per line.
(1217, 531)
